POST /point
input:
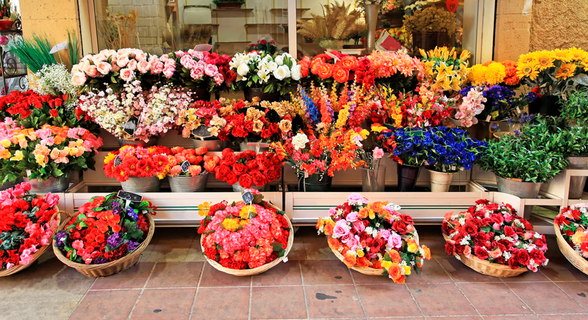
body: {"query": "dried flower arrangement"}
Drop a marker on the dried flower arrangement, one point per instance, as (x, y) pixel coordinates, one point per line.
(431, 19)
(338, 22)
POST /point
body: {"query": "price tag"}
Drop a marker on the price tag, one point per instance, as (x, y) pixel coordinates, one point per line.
(518, 110)
(201, 132)
(185, 166)
(131, 126)
(202, 47)
(117, 161)
(247, 197)
(488, 118)
(129, 196)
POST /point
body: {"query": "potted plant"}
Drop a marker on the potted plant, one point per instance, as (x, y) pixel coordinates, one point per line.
(106, 236)
(571, 227)
(185, 169)
(373, 238)
(27, 227)
(245, 239)
(410, 154)
(392, 12)
(575, 143)
(265, 76)
(575, 107)
(228, 4)
(330, 70)
(471, 235)
(138, 169)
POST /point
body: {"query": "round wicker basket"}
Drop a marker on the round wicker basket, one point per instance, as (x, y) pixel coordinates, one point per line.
(258, 270)
(110, 268)
(37, 254)
(488, 268)
(573, 257)
(367, 270)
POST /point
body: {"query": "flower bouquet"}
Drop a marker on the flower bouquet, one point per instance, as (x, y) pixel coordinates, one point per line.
(268, 74)
(26, 227)
(8, 129)
(373, 238)
(332, 68)
(398, 69)
(247, 169)
(495, 73)
(491, 239)
(138, 169)
(106, 237)
(444, 70)
(49, 154)
(245, 239)
(134, 114)
(185, 169)
(571, 230)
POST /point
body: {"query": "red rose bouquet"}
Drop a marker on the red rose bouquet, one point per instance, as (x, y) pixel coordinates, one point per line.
(24, 224)
(242, 236)
(374, 235)
(494, 232)
(136, 161)
(248, 169)
(573, 225)
(179, 155)
(104, 230)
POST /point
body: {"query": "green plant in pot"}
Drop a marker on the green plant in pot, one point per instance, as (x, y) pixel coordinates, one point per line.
(524, 160)
(575, 107)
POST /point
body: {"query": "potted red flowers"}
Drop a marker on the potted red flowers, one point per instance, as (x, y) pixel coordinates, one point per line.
(25, 227)
(245, 239)
(138, 169)
(491, 239)
(107, 235)
(185, 169)
(248, 169)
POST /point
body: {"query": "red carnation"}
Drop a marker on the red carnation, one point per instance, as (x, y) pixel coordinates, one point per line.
(450, 249)
(538, 256)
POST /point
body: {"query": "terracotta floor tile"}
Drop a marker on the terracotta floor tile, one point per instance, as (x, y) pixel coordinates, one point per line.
(37, 304)
(319, 251)
(527, 276)
(283, 274)
(214, 278)
(387, 300)
(175, 274)
(577, 290)
(195, 250)
(455, 318)
(333, 302)
(325, 272)
(107, 305)
(565, 317)
(163, 304)
(298, 252)
(545, 298)
(278, 303)
(440, 299)
(493, 298)
(512, 317)
(459, 272)
(432, 272)
(221, 303)
(560, 269)
(135, 277)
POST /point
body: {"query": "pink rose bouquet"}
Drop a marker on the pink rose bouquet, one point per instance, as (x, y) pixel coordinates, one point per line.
(196, 69)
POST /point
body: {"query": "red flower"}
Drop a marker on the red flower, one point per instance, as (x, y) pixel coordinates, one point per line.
(258, 179)
(509, 232)
(231, 178)
(538, 256)
(400, 227)
(481, 253)
(523, 257)
(245, 181)
(53, 113)
(449, 249)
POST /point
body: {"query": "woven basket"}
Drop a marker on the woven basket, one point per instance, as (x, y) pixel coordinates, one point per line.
(110, 268)
(37, 254)
(489, 268)
(573, 257)
(367, 270)
(258, 270)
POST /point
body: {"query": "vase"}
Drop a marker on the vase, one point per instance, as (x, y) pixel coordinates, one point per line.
(200, 94)
(374, 180)
(331, 45)
(428, 40)
(210, 144)
(440, 181)
(546, 105)
(577, 183)
(315, 183)
(237, 187)
(135, 184)
(251, 93)
(152, 141)
(518, 188)
(226, 5)
(407, 177)
(394, 18)
(52, 184)
(258, 147)
(371, 18)
(188, 184)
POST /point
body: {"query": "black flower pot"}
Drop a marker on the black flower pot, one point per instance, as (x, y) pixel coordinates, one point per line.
(407, 177)
(314, 183)
(546, 105)
(250, 93)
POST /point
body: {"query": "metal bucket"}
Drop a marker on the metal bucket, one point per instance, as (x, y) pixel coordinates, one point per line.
(188, 184)
(52, 184)
(211, 144)
(407, 177)
(577, 183)
(134, 184)
(441, 181)
(517, 188)
(315, 184)
(152, 141)
(237, 187)
(373, 181)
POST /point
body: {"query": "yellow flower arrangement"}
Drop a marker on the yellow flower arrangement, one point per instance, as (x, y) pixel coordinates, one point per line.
(487, 74)
(444, 69)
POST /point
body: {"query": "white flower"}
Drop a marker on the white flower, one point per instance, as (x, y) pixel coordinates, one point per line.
(296, 74)
(299, 141)
(282, 72)
(280, 60)
(272, 66)
(243, 69)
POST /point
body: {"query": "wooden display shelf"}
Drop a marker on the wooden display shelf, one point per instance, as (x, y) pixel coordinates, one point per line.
(285, 10)
(232, 10)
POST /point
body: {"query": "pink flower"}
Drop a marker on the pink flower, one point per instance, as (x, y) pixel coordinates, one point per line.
(356, 199)
(104, 67)
(157, 67)
(122, 61)
(132, 65)
(218, 79)
(378, 153)
(332, 212)
(197, 73)
(52, 199)
(352, 216)
(92, 71)
(168, 71)
(395, 241)
(78, 79)
(127, 74)
(496, 253)
(341, 229)
(211, 70)
(385, 233)
(467, 251)
(358, 226)
(78, 245)
(143, 66)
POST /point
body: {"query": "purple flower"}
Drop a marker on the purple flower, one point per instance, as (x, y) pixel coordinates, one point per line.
(114, 240)
(60, 238)
(494, 126)
(100, 260)
(509, 121)
(517, 132)
(132, 245)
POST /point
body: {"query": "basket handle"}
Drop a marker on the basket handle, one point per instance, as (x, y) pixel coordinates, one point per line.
(54, 226)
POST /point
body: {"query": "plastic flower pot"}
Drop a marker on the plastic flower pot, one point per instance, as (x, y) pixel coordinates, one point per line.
(135, 184)
(315, 183)
(251, 93)
(440, 181)
(407, 177)
(188, 184)
(577, 183)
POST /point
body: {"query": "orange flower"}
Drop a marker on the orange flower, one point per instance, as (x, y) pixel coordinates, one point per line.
(319, 223)
(349, 260)
(395, 273)
(395, 256)
(325, 71)
(427, 252)
(363, 213)
(566, 70)
(349, 62)
(340, 75)
(329, 226)
(333, 243)
(363, 262)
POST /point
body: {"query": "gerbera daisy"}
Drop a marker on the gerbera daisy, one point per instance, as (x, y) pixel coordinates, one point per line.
(566, 70)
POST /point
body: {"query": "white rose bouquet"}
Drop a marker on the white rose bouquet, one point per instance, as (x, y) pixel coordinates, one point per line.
(261, 70)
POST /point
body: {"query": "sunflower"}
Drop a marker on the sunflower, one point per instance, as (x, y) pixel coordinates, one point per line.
(566, 70)
(527, 70)
(545, 61)
(562, 55)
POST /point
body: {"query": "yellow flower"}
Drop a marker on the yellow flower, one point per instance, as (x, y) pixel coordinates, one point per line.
(246, 212)
(406, 270)
(5, 143)
(109, 157)
(18, 155)
(378, 129)
(360, 253)
(495, 73)
(364, 133)
(578, 237)
(372, 214)
(527, 70)
(5, 154)
(386, 264)
(40, 159)
(412, 246)
(566, 70)
(203, 208)
(231, 224)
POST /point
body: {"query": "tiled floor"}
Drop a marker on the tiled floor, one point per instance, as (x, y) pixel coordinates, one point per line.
(172, 281)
